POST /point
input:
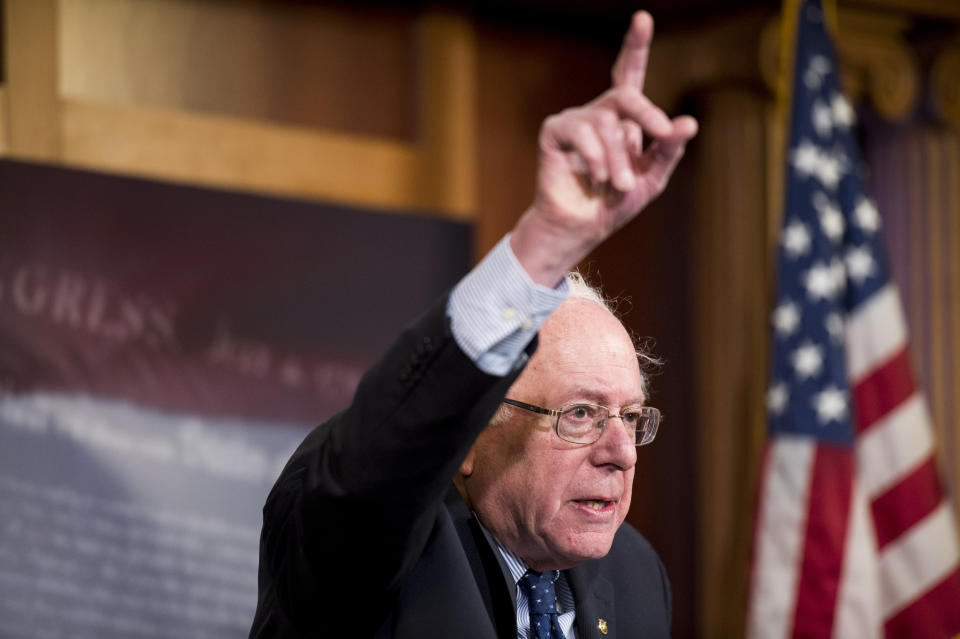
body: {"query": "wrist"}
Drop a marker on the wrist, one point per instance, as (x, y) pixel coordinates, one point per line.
(547, 251)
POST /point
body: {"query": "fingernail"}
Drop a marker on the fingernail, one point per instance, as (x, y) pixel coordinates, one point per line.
(625, 180)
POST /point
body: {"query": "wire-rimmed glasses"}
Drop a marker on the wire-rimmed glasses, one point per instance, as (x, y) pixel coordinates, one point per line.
(584, 423)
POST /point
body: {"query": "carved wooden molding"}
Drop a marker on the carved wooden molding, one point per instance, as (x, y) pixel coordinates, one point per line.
(945, 84)
(876, 63)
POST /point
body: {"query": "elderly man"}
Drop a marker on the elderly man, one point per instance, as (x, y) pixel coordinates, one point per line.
(528, 396)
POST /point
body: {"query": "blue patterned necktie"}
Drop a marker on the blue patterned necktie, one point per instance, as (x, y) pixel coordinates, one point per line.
(542, 596)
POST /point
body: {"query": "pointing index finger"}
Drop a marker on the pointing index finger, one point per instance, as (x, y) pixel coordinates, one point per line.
(630, 69)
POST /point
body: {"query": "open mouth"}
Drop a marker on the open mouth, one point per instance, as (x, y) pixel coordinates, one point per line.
(595, 504)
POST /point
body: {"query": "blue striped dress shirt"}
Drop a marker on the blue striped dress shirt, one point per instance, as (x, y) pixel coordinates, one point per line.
(497, 309)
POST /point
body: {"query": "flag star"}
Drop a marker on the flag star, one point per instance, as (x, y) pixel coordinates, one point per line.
(860, 264)
(822, 117)
(843, 114)
(831, 219)
(817, 67)
(786, 318)
(820, 64)
(834, 325)
(807, 360)
(812, 80)
(829, 170)
(805, 158)
(867, 216)
(830, 404)
(820, 281)
(777, 398)
(796, 239)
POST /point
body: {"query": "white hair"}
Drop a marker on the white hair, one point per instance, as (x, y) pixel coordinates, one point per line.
(581, 289)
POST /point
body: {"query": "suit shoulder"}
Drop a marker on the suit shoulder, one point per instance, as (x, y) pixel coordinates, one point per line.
(632, 558)
(628, 542)
(640, 581)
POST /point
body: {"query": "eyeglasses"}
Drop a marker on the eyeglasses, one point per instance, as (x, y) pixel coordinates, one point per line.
(585, 423)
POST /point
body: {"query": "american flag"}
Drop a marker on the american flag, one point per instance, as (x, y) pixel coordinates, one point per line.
(854, 535)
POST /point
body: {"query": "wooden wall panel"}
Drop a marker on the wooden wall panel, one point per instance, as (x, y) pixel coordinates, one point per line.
(369, 106)
(297, 64)
(4, 122)
(244, 155)
(522, 78)
(30, 38)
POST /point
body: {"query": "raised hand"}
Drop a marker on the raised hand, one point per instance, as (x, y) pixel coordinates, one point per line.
(593, 175)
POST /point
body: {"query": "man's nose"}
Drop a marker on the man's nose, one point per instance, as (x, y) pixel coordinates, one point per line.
(617, 445)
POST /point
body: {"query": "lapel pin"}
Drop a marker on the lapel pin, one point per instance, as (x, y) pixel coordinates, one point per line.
(602, 626)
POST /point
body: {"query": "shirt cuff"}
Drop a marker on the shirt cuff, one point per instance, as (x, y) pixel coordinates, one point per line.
(497, 309)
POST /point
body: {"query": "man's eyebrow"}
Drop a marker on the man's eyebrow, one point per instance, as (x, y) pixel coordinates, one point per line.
(595, 397)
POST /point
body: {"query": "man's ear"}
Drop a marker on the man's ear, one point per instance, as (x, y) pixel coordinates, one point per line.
(466, 466)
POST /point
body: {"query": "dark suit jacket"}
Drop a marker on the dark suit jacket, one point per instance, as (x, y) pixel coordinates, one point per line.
(364, 535)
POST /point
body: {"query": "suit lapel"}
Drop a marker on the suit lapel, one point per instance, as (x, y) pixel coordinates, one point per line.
(596, 618)
(493, 578)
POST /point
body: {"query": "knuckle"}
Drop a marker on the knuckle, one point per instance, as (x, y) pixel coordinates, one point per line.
(592, 154)
(583, 131)
(594, 157)
(607, 121)
(621, 93)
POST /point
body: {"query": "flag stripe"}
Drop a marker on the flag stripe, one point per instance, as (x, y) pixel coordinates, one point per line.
(781, 517)
(934, 614)
(885, 388)
(826, 532)
(918, 559)
(875, 331)
(898, 442)
(858, 610)
(910, 500)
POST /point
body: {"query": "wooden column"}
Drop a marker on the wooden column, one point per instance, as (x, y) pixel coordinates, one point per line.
(945, 84)
(4, 122)
(448, 112)
(30, 40)
(731, 286)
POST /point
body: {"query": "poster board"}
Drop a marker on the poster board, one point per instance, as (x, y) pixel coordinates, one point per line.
(162, 351)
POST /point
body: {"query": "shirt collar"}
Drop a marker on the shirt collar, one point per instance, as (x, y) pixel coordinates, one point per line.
(515, 565)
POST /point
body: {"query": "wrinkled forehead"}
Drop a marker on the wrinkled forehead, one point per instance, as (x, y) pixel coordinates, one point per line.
(583, 344)
(578, 320)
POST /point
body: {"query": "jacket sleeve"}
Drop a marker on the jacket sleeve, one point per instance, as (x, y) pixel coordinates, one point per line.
(355, 505)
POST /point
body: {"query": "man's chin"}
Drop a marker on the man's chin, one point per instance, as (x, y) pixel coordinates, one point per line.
(583, 547)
